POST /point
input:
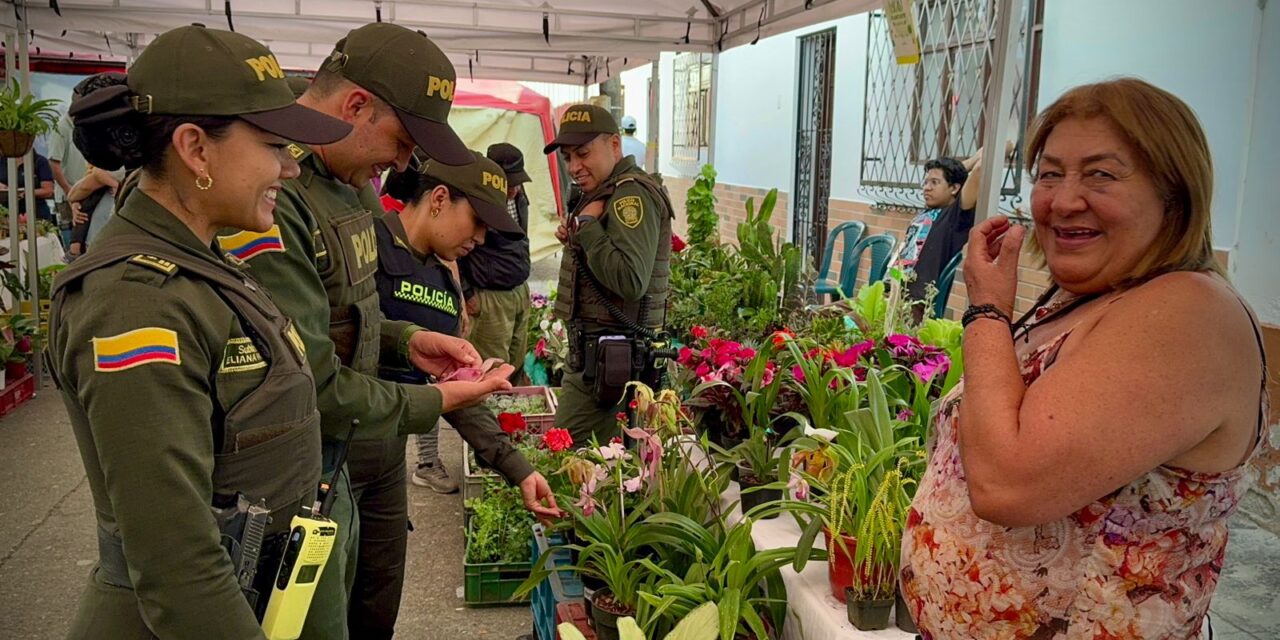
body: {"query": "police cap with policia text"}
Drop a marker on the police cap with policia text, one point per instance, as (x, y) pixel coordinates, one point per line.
(580, 124)
(410, 73)
(195, 71)
(484, 184)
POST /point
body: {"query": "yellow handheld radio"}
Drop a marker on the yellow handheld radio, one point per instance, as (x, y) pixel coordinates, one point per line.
(311, 538)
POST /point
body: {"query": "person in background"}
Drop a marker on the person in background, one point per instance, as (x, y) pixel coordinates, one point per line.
(43, 190)
(1107, 433)
(67, 164)
(943, 179)
(951, 224)
(632, 146)
(185, 385)
(92, 201)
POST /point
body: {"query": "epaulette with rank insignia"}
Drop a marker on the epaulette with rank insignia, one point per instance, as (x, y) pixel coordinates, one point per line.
(153, 269)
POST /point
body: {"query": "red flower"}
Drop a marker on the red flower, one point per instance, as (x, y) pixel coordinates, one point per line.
(512, 422)
(780, 337)
(557, 440)
(698, 332)
(677, 244)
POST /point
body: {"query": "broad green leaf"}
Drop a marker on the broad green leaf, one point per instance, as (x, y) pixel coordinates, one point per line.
(569, 632)
(629, 630)
(700, 624)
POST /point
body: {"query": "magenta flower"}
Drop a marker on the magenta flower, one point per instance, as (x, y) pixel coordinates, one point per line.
(906, 414)
(903, 346)
(746, 353)
(798, 487)
(931, 366)
(685, 357)
(797, 373)
(850, 356)
(540, 349)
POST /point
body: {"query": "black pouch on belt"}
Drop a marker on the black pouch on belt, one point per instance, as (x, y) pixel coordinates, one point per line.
(613, 369)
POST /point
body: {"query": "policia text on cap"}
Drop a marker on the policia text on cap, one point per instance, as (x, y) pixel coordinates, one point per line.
(187, 387)
(613, 274)
(395, 87)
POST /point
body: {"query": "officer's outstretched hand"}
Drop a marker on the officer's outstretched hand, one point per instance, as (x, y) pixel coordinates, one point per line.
(459, 394)
(538, 499)
(440, 353)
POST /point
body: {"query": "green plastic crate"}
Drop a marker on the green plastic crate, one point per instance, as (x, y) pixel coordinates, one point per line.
(492, 584)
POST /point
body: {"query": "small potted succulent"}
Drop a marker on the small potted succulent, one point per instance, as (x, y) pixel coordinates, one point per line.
(22, 119)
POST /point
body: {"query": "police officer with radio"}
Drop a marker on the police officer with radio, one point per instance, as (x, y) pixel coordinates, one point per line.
(186, 386)
(613, 274)
(395, 87)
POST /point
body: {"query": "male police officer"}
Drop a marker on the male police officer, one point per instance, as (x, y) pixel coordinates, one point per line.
(395, 87)
(614, 273)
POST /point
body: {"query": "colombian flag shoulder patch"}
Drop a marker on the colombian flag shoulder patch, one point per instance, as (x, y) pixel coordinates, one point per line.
(149, 345)
(247, 244)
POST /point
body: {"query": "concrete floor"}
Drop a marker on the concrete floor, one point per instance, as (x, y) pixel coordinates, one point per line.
(48, 546)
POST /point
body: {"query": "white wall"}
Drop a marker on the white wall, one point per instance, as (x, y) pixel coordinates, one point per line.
(1202, 52)
(636, 98)
(1256, 260)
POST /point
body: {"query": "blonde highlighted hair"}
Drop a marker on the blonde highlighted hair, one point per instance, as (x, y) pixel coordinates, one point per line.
(1170, 145)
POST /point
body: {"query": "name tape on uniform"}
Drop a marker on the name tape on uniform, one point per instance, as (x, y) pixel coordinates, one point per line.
(239, 355)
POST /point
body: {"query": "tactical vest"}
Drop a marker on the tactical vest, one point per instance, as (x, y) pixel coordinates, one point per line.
(579, 303)
(270, 443)
(412, 291)
(347, 247)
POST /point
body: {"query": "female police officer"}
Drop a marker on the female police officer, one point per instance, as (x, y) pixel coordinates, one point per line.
(447, 211)
(187, 390)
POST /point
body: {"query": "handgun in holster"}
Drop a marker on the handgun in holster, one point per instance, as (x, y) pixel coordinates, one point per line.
(243, 526)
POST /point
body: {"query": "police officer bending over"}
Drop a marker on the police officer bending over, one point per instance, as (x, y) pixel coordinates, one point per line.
(396, 88)
(186, 386)
(613, 275)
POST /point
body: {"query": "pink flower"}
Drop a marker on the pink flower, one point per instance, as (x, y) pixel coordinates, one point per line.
(931, 366)
(850, 356)
(797, 373)
(538, 301)
(906, 414)
(613, 451)
(703, 371)
(632, 485)
(798, 487)
(698, 332)
(540, 349)
(685, 357)
(650, 450)
(585, 502)
(903, 346)
(770, 370)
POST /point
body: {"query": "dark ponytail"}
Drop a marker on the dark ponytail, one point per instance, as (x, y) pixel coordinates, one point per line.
(111, 133)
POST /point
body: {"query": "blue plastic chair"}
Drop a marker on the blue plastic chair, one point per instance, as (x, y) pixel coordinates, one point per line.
(852, 232)
(882, 246)
(945, 280)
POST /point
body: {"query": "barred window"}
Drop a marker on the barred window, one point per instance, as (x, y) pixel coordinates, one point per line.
(943, 113)
(691, 127)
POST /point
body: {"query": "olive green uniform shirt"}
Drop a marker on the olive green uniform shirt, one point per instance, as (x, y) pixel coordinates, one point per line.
(299, 274)
(621, 249)
(148, 433)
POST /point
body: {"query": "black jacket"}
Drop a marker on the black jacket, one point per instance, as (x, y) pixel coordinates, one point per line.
(948, 236)
(500, 263)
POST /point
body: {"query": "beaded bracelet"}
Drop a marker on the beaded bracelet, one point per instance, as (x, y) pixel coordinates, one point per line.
(983, 311)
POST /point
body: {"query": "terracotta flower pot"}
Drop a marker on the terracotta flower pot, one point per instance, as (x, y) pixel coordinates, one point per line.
(15, 144)
(840, 564)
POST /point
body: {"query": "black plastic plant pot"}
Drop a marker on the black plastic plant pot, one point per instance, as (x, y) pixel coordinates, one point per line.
(867, 615)
(753, 499)
(902, 615)
(604, 619)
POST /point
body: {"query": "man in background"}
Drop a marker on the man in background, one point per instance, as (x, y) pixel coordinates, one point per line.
(631, 145)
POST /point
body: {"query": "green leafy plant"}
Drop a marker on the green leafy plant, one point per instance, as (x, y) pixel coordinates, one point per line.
(878, 553)
(21, 111)
(703, 623)
(46, 277)
(500, 526)
(700, 209)
(757, 398)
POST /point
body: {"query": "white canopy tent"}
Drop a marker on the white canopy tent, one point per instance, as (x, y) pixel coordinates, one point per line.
(574, 41)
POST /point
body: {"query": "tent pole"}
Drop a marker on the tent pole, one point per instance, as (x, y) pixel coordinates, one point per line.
(11, 74)
(711, 110)
(651, 151)
(31, 182)
(999, 106)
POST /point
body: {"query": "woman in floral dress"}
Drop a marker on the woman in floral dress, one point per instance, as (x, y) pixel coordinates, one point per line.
(1081, 478)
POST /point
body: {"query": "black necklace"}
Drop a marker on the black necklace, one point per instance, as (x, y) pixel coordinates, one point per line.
(1044, 310)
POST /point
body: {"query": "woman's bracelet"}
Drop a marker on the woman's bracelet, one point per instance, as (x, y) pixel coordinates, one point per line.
(984, 311)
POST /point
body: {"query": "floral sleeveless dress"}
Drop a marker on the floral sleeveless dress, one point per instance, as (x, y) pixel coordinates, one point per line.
(1141, 563)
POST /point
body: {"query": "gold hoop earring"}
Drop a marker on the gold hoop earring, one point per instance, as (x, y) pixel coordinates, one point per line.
(207, 183)
(435, 213)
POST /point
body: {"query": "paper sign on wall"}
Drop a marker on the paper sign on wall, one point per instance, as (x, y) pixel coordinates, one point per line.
(902, 28)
